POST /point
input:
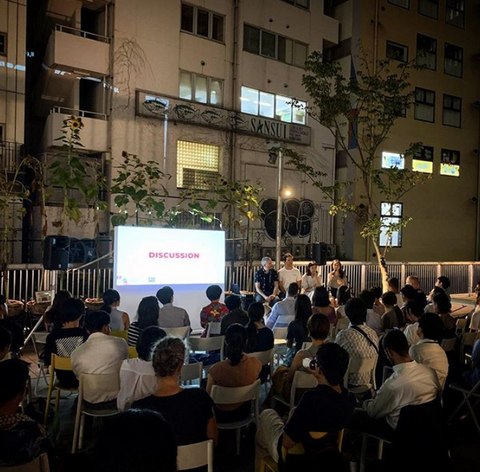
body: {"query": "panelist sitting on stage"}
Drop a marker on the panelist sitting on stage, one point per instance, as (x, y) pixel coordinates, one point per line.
(266, 282)
(215, 311)
(171, 316)
(288, 274)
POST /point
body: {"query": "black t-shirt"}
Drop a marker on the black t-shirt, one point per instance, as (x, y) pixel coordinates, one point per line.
(187, 412)
(267, 280)
(235, 316)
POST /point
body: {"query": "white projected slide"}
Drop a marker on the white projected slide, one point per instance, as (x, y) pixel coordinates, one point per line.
(147, 259)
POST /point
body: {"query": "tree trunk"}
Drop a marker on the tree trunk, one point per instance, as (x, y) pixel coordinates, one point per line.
(382, 264)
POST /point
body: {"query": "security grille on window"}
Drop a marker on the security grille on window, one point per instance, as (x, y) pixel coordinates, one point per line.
(198, 165)
(3, 43)
(391, 215)
(426, 52)
(455, 13)
(424, 105)
(269, 105)
(452, 111)
(274, 46)
(453, 60)
(400, 3)
(423, 160)
(450, 163)
(428, 8)
(396, 51)
(202, 22)
(201, 89)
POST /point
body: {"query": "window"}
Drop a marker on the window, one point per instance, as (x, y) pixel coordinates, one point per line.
(201, 89)
(400, 3)
(273, 46)
(428, 8)
(198, 165)
(391, 215)
(426, 52)
(2, 132)
(455, 13)
(299, 3)
(423, 160)
(3, 43)
(391, 159)
(202, 22)
(452, 111)
(450, 163)
(453, 60)
(396, 51)
(424, 105)
(269, 105)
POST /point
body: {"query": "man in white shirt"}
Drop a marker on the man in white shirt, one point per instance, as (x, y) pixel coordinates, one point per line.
(171, 316)
(410, 384)
(284, 312)
(288, 274)
(99, 354)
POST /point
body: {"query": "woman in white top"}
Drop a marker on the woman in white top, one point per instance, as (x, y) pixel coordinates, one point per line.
(343, 295)
(475, 316)
(336, 278)
(119, 320)
(311, 280)
(137, 377)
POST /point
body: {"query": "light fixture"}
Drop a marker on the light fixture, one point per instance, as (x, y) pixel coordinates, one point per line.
(272, 157)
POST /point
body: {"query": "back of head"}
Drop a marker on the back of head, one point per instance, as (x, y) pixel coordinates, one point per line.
(318, 327)
(95, 321)
(320, 297)
(148, 312)
(72, 310)
(5, 338)
(408, 292)
(292, 290)
(233, 302)
(377, 292)
(60, 298)
(303, 309)
(389, 299)
(393, 284)
(442, 302)
(55, 312)
(368, 298)
(236, 339)
(332, 359)
(214, 292)
(152, 443)
(396, 341)
(445, 281)
(147, 340)
(165, 295)
(414, 281)
(432, 326)
(14, 375)
(168, 356)
(414, 308)
(343, 295)
(256, 312)
(110, 297)
(356, 311)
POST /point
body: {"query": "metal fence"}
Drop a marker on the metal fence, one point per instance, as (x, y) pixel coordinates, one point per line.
(26, 279)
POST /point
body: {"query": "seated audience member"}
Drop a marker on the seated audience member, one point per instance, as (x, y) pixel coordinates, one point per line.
(214, 311)
(410, 384)
(297, 331)
(171, 316)
(393, 316)
(235, 313)
(472, 376)
(151, 445)
(475, 315)
(321, 304)
(137, 377)
(378, 307)
(3, 307)
(63, 341)
(343, 295)
(283, 312)
(119, 320)
(318, 330)
(443, 309)
(311, 280)
(429, 308)
(360, 341)
(444, 283)
(394, 286)
(99, 354)
(238, 370)
(5, 344)
(373, 320)
(427, 351)
(408, 295)
(414, 281)
(147, 315)
(21, 438)
(188, 410)
(326, 408)
(53, 314)
(413, 312)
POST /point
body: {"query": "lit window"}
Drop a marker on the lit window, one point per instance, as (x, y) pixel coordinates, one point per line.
(216, 92)
(186, 87)
(267, 104)
(424, 105)
(391, 159)
(249, 101)
(391, 215)
(423, 160)
(455, 13)
(450, 163)
(426, 52)
(452, 111)
(198, 165)
(283, 108)
(428, 8)
(200, 89)
(3, 43)
(396, 51)
(400, 3)
(202, 23)
(453, 60)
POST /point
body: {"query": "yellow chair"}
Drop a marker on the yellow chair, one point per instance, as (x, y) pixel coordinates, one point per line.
(58, 363)
(120, 334)
(132, 352)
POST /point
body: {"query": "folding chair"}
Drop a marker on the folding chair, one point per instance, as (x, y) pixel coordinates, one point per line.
(229, 395)
(214, 329)
(460, 326)
(448, 344)
(182, 332)
(207, 344)
(266, 358)
(280, 343)
(191, 372)
(467, 341)
(195, 455)
(106, 383)
(132, 352)
(300, 380)
(472, 394)
(40, 464)
(362, 366)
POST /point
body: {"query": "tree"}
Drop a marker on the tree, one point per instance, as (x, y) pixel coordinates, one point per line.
(361, 112)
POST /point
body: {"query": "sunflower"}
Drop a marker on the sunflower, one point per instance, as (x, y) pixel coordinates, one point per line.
(76, 124)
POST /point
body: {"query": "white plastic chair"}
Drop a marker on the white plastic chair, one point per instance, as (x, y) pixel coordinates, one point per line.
(40, 464)
(191, 372)
(195, 455)
(214, 329)
(280, 343)
(265, 357)
(342, 323)
(182, 332)
(460, 326)
(229, 395)
(362, 366)
(300, 380)
(307, 345)
(106, 383)
(467, 340)
(216, 343)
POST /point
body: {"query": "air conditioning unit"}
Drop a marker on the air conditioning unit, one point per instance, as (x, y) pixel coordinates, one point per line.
(268, 252)
(331, 251)
(299, 251)
(198, 179)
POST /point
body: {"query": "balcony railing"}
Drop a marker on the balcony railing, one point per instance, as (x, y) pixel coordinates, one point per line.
(80, 113)
(10, 155)
(83, 34)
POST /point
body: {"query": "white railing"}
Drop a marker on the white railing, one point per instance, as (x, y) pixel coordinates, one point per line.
(79, 113)
(83, 34)
(25, 279)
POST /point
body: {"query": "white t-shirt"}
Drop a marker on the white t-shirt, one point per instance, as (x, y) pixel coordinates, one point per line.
(287, 277)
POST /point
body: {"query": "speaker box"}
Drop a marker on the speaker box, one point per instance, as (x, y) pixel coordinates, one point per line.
(320, 253)
(56, 252)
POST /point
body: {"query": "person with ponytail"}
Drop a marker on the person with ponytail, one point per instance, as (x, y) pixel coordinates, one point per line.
(238, 370)
(393, 316)
(119, 320)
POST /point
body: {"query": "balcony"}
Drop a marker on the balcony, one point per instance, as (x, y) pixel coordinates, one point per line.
(93, 135)
(77, 51)
(10, 156)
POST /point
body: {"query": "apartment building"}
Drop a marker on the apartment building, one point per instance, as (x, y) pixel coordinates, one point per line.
(443, 36)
